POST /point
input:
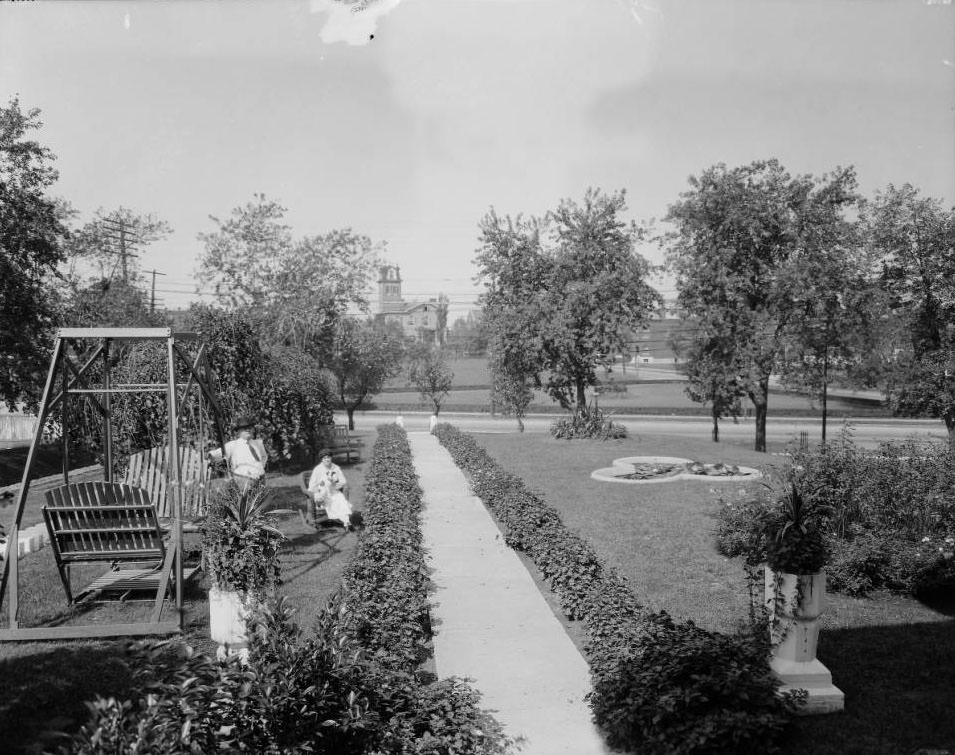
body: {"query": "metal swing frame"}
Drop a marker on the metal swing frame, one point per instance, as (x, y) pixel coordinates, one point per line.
(74, 380)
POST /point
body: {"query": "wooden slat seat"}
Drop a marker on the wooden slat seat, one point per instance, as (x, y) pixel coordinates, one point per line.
(105, 522)
(147, 470)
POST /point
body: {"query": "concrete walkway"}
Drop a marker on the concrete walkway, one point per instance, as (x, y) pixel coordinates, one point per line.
(491, 623)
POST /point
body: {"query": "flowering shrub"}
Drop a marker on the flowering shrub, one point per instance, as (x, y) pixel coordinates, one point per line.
(891, 515)
(588, 422)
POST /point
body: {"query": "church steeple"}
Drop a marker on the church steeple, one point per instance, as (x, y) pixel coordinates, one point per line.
(389, 288)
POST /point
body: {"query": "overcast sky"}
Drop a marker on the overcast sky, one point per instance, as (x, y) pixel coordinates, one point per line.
(186, 109)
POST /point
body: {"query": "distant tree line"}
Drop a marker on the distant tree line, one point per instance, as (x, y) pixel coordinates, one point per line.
(795, 276)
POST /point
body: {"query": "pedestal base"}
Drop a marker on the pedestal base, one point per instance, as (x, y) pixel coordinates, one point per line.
(822, 695)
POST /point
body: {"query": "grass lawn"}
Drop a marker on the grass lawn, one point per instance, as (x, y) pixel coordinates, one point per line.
(45, 684)
(893, 657)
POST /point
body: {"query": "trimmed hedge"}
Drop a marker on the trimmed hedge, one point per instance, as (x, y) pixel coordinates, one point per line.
(352, 686)
(659, 686)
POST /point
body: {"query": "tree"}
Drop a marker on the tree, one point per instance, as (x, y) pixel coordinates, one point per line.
(431, 375)
(108, 303)
(712, 374)
(742, 236)
(296, 289)
(111, 240)
(468, 335)
(362, 357)
(566, 289)
(915, 237)
(511, 381)
(283, 389)
(441, 320)
(32, 234)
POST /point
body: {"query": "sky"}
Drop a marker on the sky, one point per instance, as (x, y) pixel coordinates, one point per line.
(407, 120)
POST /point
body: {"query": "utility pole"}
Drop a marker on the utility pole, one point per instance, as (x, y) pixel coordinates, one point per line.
(119, 233)
(152, 293)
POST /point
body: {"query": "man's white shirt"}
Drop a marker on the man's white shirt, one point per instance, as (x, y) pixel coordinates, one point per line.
(242, 460)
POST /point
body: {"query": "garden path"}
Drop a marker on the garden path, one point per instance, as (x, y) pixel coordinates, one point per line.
(492, 625)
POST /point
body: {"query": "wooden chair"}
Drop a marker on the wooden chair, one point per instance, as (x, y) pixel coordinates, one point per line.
(107, 522)
(318, 512)
(147, 471)
(337, 440)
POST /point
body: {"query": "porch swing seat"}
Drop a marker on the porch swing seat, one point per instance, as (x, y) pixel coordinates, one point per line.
(107, 522)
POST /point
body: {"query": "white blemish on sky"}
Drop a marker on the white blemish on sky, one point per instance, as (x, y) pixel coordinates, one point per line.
(351, 22)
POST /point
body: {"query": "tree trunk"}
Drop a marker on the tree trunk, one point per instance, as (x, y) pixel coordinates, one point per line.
(520, 424)
(825, 392)
(716, 426)
(351, 417)
(581, 395)
(950, 426)
(760, 401)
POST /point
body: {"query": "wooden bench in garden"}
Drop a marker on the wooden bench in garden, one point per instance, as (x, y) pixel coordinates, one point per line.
(337, 440)
(107, 522)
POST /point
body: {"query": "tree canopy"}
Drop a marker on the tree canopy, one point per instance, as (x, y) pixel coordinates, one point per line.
(914, 237)
(745, 245)
(362, 357)
(32, 234)
(561, 292)
(297, 289)
(430, 374)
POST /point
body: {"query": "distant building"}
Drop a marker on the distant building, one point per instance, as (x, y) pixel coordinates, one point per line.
(418, 319)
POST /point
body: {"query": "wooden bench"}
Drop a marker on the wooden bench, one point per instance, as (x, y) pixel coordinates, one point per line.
(148, 471)
(109, 522)
(337, 440)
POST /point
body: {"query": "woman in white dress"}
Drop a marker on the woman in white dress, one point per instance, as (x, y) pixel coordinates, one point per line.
(326, 485)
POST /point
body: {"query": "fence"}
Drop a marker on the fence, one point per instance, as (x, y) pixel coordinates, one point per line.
(17, 426)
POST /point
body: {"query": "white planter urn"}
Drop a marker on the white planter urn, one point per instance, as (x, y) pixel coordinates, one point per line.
(795, 602)
(227, 613)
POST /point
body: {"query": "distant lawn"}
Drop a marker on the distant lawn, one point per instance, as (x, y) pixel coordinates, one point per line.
(46, 684)
(893, 656)
(651, 398)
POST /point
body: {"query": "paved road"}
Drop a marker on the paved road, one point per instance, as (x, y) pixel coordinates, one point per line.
(867, 433)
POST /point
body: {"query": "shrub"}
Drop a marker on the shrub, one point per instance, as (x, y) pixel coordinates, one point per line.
(588, 422)
(658, 685)
(239, 545)
(685, 690)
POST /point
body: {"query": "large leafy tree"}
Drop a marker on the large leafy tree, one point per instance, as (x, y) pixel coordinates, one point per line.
(32, 233)
(744, 238)
(915, 237)
(297, 289)
(565, 290)
(363, 355)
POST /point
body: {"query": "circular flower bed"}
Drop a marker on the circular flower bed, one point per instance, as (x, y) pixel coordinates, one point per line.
(642, 469)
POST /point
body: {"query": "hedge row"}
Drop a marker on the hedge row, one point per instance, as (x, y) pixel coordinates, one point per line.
(350, 686)
(659, 686)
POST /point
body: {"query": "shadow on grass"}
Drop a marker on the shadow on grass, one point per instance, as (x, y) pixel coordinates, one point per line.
(899, 692)
(44, 691)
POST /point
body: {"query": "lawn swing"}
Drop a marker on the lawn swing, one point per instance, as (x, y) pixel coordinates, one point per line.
(117, 522)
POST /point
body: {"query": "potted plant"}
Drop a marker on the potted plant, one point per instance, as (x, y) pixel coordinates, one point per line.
(240, 554)
(794, 532)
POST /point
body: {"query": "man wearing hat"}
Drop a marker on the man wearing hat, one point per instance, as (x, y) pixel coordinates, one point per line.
(246, 455)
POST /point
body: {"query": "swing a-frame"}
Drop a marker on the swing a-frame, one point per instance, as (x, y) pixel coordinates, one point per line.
(108, 521)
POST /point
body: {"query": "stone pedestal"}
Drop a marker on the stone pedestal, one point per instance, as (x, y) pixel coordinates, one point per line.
(227, 612)
(795, 603)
